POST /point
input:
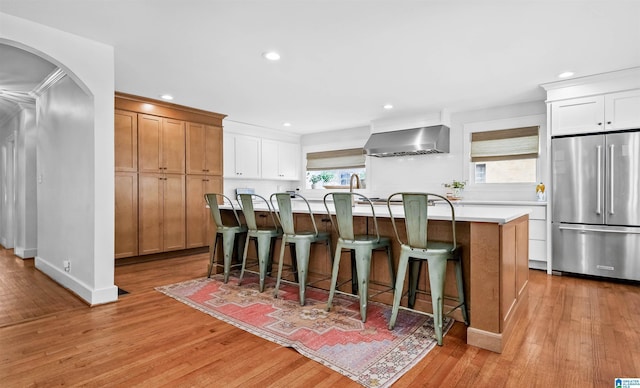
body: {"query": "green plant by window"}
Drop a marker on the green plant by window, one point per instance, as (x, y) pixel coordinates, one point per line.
(455, 184)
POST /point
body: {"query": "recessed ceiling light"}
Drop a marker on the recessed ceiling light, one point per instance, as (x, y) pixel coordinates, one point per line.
(287, 124)
(566, 74)
(167, 97)
(388, 106)
(271, 55)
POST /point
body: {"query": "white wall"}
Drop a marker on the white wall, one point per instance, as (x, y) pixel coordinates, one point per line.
(91, 66)
(25, 184)
(425, 172)
(7, 187)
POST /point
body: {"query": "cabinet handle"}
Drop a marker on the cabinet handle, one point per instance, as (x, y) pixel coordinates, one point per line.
(599, 123)
(608, 122)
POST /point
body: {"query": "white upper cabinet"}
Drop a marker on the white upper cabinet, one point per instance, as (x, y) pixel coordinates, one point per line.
(608, 112)
(622, 110)
(578, 115)
(241, 156)
(280, 160)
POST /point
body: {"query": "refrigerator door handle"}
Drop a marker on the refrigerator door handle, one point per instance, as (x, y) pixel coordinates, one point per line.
(599, 181)
(580, 229)
(611, 176)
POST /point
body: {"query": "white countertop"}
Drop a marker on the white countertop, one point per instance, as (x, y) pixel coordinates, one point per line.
(467, 212)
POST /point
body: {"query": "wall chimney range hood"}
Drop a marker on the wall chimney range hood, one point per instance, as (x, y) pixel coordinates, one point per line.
(414, 141)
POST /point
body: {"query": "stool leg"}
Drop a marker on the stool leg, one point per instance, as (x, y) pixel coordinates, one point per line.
(391, 270)
(437, 273)
(294, 261)
(461, 299)
(228, 239)
(264, 250)
(244, 260)
(397, 293)
(280, 264)
(334, 274)
(303, 249)
(415, 267)
(363, 267)
(212, 254)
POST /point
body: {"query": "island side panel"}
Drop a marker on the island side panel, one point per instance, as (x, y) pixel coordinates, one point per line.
(485, 277)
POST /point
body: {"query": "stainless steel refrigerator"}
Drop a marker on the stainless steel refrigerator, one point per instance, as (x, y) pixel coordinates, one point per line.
(596, 204)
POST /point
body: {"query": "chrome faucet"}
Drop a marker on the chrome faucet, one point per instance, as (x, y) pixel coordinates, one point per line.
(353, 201)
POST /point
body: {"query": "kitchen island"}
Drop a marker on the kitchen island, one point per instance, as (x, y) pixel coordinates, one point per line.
(495, 261)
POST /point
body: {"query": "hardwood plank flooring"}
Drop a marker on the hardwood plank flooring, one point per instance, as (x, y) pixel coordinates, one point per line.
(575, 332)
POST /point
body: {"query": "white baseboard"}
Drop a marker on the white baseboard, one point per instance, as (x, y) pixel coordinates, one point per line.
(25, 253)
(91, 296)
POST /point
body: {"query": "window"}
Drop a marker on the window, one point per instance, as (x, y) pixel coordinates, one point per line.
(505, 156)
(333, 169)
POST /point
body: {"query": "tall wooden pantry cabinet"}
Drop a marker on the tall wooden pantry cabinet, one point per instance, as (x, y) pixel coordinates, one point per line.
(167, 157)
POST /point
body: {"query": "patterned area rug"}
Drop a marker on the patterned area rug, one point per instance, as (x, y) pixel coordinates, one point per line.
(367, 353)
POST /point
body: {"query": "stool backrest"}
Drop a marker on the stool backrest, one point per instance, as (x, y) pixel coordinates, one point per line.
(343, 204)
(246, 202)
(285, 212)
(213, 199)
(416, 210)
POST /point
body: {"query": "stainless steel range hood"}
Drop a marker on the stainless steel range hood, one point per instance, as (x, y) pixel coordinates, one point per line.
(414, 141)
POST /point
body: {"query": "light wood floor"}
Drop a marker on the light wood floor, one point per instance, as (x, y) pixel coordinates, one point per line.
(574, 333)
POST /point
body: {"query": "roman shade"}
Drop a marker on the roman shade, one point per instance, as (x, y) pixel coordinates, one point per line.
(337, 159)
(505, 144)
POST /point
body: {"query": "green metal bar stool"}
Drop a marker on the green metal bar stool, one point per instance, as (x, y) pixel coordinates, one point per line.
(302, 240)
(226, 232)
(362, 245)
(437, 253)
(264, 236)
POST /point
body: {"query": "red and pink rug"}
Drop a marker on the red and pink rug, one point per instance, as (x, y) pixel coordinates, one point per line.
(368, 353)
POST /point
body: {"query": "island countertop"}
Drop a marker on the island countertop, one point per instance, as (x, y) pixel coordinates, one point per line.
(468, 213)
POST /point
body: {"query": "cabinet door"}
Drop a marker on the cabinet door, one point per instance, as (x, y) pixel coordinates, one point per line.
(126, 214)
(622, 110)
(288, 161)
(270, 159)
(174, 212)
(247, 157)
(196, 153)
(578, 115)
(199, 223)
(213, 150)
(149, 143)
(173, 146)
(126, 141)
(150, 212)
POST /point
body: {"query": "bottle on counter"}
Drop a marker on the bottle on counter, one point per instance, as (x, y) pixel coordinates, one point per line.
(540, 193)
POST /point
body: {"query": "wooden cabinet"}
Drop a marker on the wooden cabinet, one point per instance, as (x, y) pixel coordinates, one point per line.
(241, 156)
(156, 143)
(280, 160)
(607, 112)
(126, 141)
(204, 149)
(126, 214)
(161, 144)
(200, 226)
(161, 213)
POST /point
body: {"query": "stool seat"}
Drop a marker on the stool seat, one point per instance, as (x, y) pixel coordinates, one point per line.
(301, 240)
(226, 232)
(417, 249)
(361, 247)
(264, 236)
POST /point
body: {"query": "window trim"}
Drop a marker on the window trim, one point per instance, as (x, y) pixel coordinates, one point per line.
(539, 120)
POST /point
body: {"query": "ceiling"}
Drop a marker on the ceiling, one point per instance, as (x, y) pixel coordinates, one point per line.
(341, 61)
